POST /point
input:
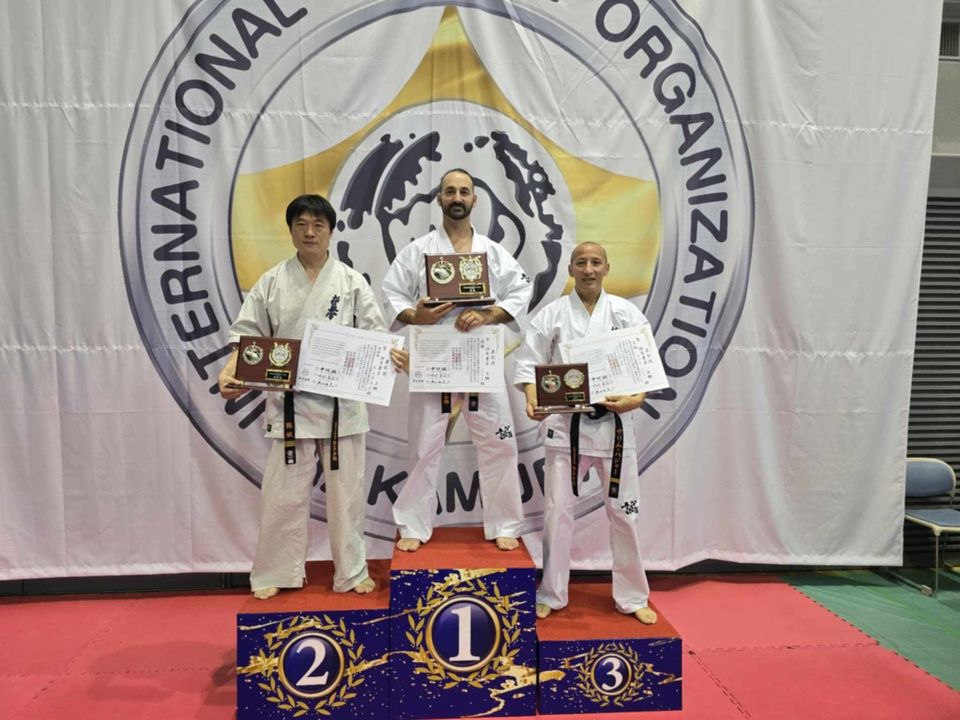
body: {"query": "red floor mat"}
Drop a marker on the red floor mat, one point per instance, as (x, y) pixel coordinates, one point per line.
(760, 650)
(830, 683)
(174, 695)
(36, 630)
(748, 611)
(196, 632)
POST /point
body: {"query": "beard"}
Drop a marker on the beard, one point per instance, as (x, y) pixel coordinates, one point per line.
(456, 211)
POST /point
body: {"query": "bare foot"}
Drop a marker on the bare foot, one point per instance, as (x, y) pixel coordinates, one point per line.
(364, 586)
(507, 543)
(543, 610)
(408, 544)
(646, 616)
(265, 593)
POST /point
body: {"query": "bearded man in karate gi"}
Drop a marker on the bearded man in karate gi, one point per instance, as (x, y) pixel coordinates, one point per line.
(586, 312)
(491, 424)
(311, 285)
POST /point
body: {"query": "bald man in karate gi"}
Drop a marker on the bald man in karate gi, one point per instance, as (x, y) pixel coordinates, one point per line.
(589, 310)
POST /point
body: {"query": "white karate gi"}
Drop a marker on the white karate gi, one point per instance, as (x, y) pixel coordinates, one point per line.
(561, 321)
(279, 305)
(491, 426)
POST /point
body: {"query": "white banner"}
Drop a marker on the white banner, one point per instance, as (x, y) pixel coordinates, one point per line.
(757, 172)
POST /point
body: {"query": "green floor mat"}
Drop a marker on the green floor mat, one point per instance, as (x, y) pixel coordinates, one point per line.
(925, 630)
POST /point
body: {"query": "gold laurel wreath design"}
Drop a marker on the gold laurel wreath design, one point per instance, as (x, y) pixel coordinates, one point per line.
(634, 688)
(502, 606)
(352, 674)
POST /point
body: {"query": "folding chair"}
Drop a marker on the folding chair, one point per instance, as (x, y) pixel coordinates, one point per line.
(929, 477)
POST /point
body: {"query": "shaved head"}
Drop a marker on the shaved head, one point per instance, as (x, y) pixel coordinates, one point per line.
(583, 247)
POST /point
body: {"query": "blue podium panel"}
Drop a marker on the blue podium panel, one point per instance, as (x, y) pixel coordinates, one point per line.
(463, 639)
(595, 660)
(315, 653)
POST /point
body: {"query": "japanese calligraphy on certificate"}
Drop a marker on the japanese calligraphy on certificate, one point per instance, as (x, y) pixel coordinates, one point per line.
(621, 362)
(443, 359)
(346, 362)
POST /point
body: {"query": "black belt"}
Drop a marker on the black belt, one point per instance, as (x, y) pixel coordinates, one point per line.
(473, 402)
(598, 412)
(290, 433)
(335, 436)
(289, 430)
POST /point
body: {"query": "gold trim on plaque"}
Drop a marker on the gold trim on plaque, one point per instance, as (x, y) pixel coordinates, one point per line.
(573, 378)
(281, 354)
(442, 272)
(471, 268)
(550, 382)
(252, 354)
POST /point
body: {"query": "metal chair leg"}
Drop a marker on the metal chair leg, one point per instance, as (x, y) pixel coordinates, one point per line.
(936, 560)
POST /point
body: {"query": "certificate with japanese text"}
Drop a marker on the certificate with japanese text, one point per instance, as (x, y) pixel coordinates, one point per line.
(443, 359)
(621, 362)
(345, 362)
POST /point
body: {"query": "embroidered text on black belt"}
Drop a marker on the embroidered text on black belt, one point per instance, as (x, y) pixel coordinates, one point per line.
(616, 464)
(289, 430)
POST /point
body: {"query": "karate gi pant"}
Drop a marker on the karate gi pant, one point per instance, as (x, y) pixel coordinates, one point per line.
(492, 431)
(281, 555)
(630, 588)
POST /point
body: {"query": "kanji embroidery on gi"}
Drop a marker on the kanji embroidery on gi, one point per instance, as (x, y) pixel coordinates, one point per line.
(504, 432)
(629, 508)
(334, 307)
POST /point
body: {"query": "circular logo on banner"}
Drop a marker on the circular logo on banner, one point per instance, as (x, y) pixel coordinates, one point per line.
(625, 133)
(311, 665)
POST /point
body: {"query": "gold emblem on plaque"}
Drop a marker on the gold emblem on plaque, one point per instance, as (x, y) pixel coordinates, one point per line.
(252, 354)
(281, 354)
(471, 268)
(442, 271)
(573, 378)
(550, 382)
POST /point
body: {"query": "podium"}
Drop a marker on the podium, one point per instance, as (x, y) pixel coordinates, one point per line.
(596, 660)
(450, 631)
(314, 652)
(463, 638)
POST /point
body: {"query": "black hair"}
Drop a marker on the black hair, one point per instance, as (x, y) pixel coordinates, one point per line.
(315, 205)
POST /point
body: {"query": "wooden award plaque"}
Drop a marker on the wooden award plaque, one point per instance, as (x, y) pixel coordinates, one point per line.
(563, 388)
(267, 363)
(458, 278)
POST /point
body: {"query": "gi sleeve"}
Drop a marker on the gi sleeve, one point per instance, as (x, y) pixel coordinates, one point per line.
(253, 318)
(512, 287)
(630, 316)
(536, 349)
(367, 315)
(400, 284)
